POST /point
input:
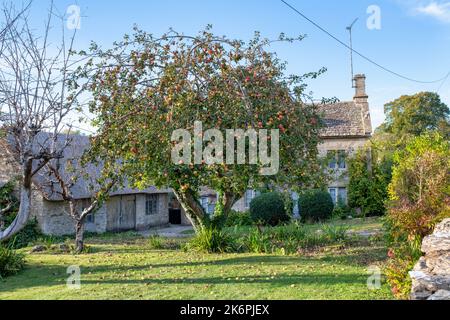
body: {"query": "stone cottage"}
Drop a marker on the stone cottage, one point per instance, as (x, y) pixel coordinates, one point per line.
(347, 128)
(126, 209)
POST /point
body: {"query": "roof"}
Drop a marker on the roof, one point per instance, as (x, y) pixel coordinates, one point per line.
(84, 187)
(342, 119)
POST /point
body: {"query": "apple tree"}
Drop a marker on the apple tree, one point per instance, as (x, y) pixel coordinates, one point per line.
(145, 88)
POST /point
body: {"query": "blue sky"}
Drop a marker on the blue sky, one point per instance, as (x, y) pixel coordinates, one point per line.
(414, 39)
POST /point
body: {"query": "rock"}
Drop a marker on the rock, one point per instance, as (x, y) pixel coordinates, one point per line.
(38, 248)
(421, 295)
(431, 275)
(436, 242)
(63, 247)
(440, 295)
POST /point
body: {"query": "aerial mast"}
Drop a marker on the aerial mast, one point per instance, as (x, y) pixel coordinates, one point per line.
(349, 28)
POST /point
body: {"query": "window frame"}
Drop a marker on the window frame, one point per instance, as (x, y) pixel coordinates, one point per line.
(151, 200)
(337, 159)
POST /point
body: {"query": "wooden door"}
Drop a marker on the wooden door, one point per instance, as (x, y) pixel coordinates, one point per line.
(128, 216)
(121, 215)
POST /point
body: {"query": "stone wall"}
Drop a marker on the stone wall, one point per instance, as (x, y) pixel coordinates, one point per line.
(431, 275)
(143, 221)
(54, 219)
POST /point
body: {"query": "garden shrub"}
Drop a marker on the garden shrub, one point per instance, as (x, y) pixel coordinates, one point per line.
(239, 219)
(367, 189)
(11, 262)
(334, 234)
(342, 211)
(258, 242)
(315, 205)
(212, 240)
(419, 199)
(269, 209)
(291, 238)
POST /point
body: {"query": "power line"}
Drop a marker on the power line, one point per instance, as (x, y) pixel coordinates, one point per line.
(358, 53)
(443, 82)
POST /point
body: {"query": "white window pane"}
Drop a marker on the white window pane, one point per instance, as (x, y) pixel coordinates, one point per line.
(341, 159)
(343, 195)
(333, 194)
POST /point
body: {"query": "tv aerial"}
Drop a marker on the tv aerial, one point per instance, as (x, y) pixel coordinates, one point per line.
(349, 28)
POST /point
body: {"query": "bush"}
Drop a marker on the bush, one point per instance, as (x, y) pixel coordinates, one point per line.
(419, 199)
(11, 262)
(292, 238)
(211, 240)
(335, 234)
(269, 209)
(257, 242)
(239, 219)
(342, 211)
(315, 205)
(367, 189)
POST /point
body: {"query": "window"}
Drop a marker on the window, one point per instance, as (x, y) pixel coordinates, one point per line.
(211, 208)
(338, 194)
(249, 196)
(151, 204)
(342, 195)
(90, 218)
(341, 159)
(204, 203)
(332, 159)
(208, 204)
(337, 159)
(295, 210)
(333, 194)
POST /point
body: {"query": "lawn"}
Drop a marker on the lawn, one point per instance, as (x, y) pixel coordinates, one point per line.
(371, 224)
(126, 267)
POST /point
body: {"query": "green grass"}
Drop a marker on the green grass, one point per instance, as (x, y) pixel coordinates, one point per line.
(128, 268)
(353, 225)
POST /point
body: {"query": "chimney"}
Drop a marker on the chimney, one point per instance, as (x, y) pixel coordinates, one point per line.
(360, 87)
(361, 99)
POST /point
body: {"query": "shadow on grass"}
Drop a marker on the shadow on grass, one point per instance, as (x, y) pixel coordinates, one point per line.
(59, 278)
(38, 275)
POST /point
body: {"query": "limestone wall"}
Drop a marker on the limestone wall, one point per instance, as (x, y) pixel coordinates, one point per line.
(143, 221)
(431, 275)
(54, 218)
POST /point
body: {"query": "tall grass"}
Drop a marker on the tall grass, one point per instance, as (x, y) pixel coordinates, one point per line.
(11, 262)
(291, 238)
(287, 239)
(212, 240)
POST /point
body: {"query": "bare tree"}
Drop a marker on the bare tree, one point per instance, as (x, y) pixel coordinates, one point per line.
(62, 178)
(34, 99)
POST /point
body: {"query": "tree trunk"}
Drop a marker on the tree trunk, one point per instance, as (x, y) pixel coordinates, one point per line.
(194, 211)
(25, 203)
(79, 236)
(224, 204)
(22, 215)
